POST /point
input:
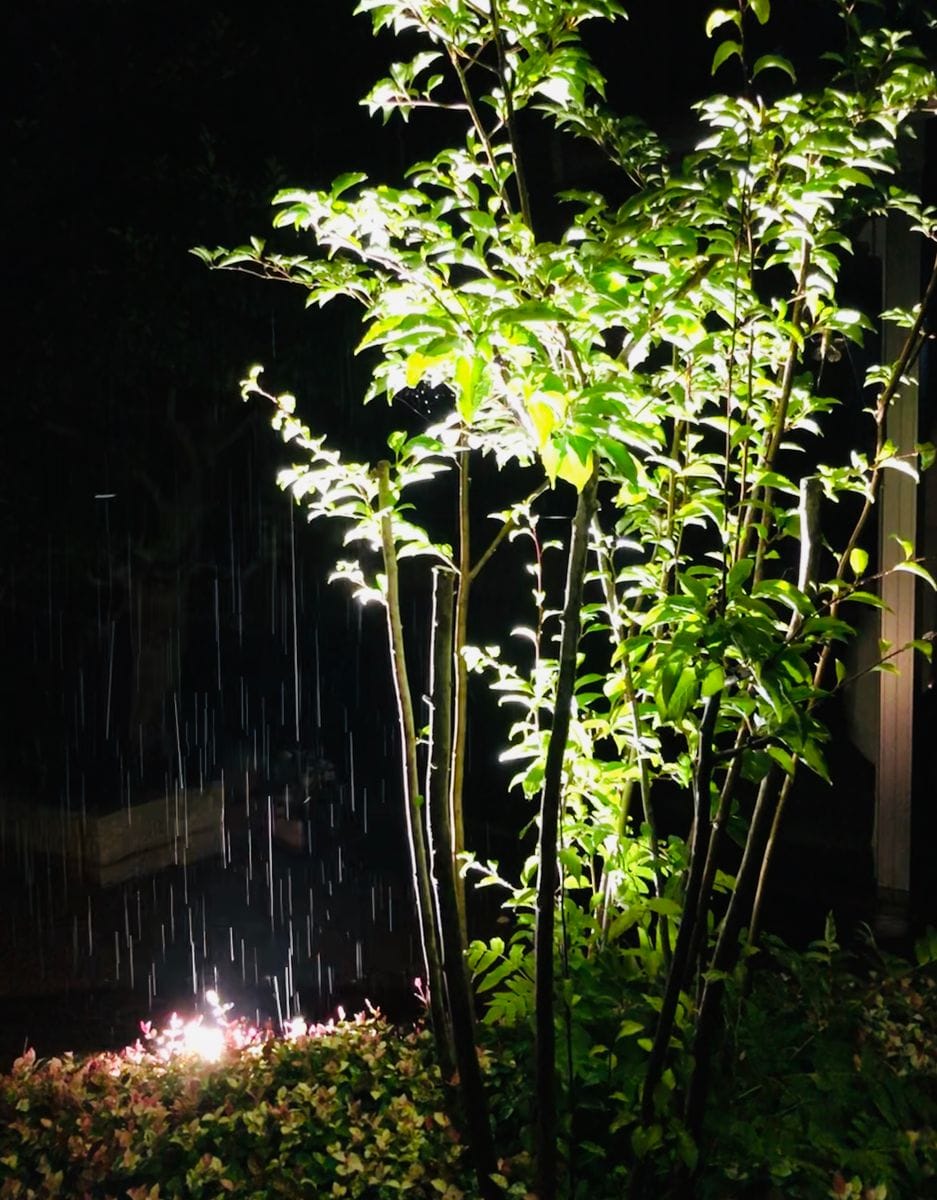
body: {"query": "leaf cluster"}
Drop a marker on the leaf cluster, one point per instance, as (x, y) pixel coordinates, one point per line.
(834, 1058)
(356, 1110)
(671, 354)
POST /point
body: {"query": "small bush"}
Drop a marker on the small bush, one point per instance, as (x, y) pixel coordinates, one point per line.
(355, 1110)
(828, 1088)
(830, 1084)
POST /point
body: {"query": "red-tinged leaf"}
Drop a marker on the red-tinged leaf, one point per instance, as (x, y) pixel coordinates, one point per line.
(25, 1061)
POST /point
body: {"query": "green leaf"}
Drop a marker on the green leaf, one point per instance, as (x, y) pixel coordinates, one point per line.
(858, 561)
(418, 364)
(574, 471)
(563, 462)
(713, 681)
(761, 9)
(783, 758)
(622, 460)
(532, 312)
(722, 16)
(739, 576)
(468, 375)
(778, 61)
(644, 1140)
(902, 466)
(783, 592)
(349, 180)
(543, 417)
(724, 52)
(868, 598)
(498, 973)
(813, 757)
(925, 948)
(687, 1149)
(913, 568)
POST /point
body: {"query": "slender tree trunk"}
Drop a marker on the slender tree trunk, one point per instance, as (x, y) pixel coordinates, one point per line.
(422, 884)
(474, 1100)
(727, 950)
(457, 777)
(548, 879)
(681, 964)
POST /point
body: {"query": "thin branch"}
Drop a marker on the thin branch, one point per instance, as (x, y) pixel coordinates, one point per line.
(460, 697)
(780, 416)
(477, 123)
(475, 1102)
(411, 779)
(519, 174)
(548, 877)
(509, 525)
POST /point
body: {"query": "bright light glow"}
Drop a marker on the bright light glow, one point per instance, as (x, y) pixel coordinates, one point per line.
(204, 1041)
(192, 1039)
(296, 1027)
(210, 1040)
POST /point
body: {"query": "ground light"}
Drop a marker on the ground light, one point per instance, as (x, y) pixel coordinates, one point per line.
(210, 1037)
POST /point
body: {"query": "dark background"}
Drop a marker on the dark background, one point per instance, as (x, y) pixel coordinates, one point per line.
(150, 570)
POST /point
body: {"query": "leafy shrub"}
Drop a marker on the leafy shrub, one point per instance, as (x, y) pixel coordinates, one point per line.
(830, 1084)
(828, 1089)
(356, 1110)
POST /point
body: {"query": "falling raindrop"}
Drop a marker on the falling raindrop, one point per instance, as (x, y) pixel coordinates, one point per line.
(296, 683)
(270, 857)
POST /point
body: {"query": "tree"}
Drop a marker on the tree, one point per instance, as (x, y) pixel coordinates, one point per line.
(668, 359)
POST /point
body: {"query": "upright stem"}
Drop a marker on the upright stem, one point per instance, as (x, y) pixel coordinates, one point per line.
(422, 887)
(607, 577)
(646, 806)
(716, 841)
(519, 174)
(755, 921)
(678, 975)
(548, 878)
(475, 1104)
(760, 499)
(460, 700)
(478, 124)
(621, 828)
(726, 953)
(774, 791)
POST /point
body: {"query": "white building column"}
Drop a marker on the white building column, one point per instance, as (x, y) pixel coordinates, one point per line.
(897, 515)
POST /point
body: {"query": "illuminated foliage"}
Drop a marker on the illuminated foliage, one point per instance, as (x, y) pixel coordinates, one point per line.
(665, 366)
(351, 1110)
